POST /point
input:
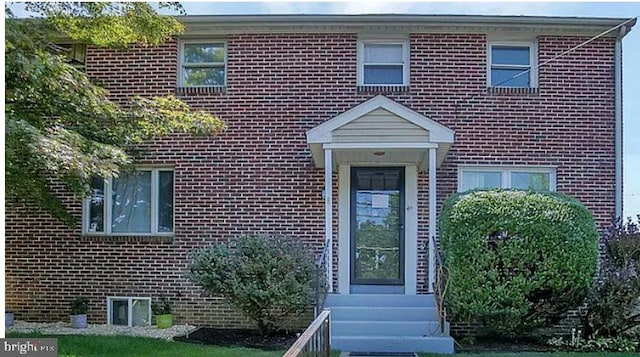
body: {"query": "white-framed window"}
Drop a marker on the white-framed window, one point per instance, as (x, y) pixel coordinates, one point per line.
(383, 63)
(136, 203)
(520, 177)
(512, 64)
(203, 63)
(128, 311)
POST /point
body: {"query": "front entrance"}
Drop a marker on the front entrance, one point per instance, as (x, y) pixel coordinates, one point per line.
(377, 230)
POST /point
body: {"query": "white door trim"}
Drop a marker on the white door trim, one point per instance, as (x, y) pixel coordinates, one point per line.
(411, 229)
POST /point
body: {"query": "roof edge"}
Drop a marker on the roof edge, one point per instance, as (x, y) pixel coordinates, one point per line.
(327, 23)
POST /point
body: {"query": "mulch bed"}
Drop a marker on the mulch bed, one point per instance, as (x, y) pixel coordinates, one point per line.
(280, 340)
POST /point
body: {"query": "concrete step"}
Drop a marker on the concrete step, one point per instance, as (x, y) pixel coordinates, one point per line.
(342, 328)
(380, 300)
(393, 344)
(367, 313)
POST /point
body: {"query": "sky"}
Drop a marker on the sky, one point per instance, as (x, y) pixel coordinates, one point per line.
(631, 47)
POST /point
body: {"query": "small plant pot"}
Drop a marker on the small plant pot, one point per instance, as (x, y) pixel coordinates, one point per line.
(79, 321)
(9, 319)
(164, 321)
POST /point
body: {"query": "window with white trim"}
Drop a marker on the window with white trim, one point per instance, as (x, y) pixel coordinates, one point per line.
(128, 311)
(138, 203)
(524, 178)
(512, 64)
(383, 63)
(203, 64)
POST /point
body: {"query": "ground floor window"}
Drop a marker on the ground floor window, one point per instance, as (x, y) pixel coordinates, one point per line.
(138, 202)
(520, 177)
(129, 311)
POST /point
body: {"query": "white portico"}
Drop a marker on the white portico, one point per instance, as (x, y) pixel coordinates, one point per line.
(378, 148)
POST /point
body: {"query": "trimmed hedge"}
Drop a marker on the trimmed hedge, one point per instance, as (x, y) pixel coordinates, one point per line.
(268, 278)
(516, 260)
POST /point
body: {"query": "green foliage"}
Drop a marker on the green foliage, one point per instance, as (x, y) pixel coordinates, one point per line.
(62, 127)
(162, 307)
(79, 306)
(516, 260)
(600, 344)
(110, 24)
(268, 278)
(613, 306)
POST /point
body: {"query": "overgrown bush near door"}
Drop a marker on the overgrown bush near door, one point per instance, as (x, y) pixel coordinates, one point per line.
(268, 278)
(613, 306)
(516, 260)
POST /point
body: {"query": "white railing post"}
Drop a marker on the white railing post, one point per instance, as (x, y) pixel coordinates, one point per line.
(432, 217)
(328, 212)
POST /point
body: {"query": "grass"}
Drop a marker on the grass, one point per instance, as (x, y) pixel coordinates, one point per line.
(100, 346)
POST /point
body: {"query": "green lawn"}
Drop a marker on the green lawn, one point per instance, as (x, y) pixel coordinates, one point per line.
(127, 346)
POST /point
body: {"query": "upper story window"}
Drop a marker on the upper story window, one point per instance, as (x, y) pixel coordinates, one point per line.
(383, 63)
(512, 65)
(203, 64)
(74, 54)
(138, 203)
(524, 178)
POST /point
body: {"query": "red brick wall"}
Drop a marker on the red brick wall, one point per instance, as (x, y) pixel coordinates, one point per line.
(258, 176)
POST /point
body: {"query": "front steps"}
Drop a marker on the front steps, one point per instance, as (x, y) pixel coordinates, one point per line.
(386, 323)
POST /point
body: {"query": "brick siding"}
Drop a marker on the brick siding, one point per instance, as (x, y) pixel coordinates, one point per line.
(258, 176)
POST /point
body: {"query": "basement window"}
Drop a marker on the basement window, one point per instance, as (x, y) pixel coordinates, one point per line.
(128, 311)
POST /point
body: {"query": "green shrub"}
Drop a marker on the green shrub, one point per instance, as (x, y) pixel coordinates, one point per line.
(268, 278)
(79, 306)
(516, 260)
(613, 306)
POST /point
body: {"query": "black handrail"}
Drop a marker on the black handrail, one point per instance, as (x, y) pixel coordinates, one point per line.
(322, 285)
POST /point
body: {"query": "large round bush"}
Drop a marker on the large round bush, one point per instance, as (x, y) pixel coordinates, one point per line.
(516, 260)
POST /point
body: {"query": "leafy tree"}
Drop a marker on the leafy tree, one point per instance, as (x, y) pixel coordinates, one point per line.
(61, 127)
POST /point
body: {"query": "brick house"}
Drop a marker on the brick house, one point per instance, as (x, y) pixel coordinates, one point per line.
(389, 113)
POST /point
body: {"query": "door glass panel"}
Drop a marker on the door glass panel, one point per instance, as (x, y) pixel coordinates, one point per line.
(378, 228)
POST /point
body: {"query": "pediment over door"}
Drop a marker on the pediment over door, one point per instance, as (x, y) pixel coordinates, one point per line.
(379, 131)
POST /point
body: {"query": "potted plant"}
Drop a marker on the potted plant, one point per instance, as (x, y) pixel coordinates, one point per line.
(9, 319)
(163, 311)
(79, 308)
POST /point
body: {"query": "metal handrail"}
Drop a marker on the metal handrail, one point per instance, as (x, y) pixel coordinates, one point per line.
(440, 287)
(315, 340)
(322, 287)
